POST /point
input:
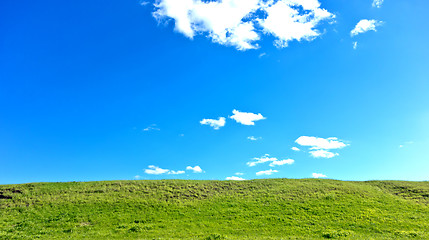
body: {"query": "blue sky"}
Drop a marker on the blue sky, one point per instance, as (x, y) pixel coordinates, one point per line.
(103, 90)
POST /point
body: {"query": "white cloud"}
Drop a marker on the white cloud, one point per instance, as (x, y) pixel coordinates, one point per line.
(263, 159)
(246, 118)
(252, 138)
(151, 127)
(318, 175)
(287, 22)
(267, 172)
(215, 124)
(296, 149)
(137, 177)
(235, 178)
(155, 170)
(365, 25)
(355, 45)
(282, 162)
(261, 55)
(377, 3)
(320, 146)
(223, 21)
(320, 143)
(235, 22)
(323, 154)
(195, 169)
(239, 173)
(273, 161)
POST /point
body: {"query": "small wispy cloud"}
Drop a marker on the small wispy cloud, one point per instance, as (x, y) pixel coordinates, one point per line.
(215, 124)
(151, 127)
(323, 154)
(262, 54)
(155, 170)
(263, 159)
(266, 172)
(365, 25)
(234, 178)
(377, 3)
(318, 175)
(246, 118)
(253, 138)
(239, 173)
(406, 144)
(282, 162)
(196, 169)
(137, 177)
(355, 45)
(296, 149)
(272, 160)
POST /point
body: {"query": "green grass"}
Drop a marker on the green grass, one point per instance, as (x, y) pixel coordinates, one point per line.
(182, 209)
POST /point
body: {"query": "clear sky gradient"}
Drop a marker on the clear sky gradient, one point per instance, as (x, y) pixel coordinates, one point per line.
(101, 90)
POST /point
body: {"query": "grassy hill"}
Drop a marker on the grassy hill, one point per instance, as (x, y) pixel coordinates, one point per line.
(182, 209)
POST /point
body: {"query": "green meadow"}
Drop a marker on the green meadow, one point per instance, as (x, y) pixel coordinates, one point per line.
(185, 209)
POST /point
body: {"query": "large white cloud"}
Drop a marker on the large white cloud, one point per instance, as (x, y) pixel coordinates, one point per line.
(365, 25)
(246, 118)
(291, 20)
(266, 172)
(240, 23)
(320, 147)
(215, 124)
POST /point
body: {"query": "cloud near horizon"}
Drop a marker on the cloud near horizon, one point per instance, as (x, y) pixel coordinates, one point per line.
(155, 170)
(235, 178)
(266, 172)
(241, 23)
(318, 175)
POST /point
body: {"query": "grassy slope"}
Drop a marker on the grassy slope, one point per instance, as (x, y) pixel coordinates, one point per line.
(179, 209)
